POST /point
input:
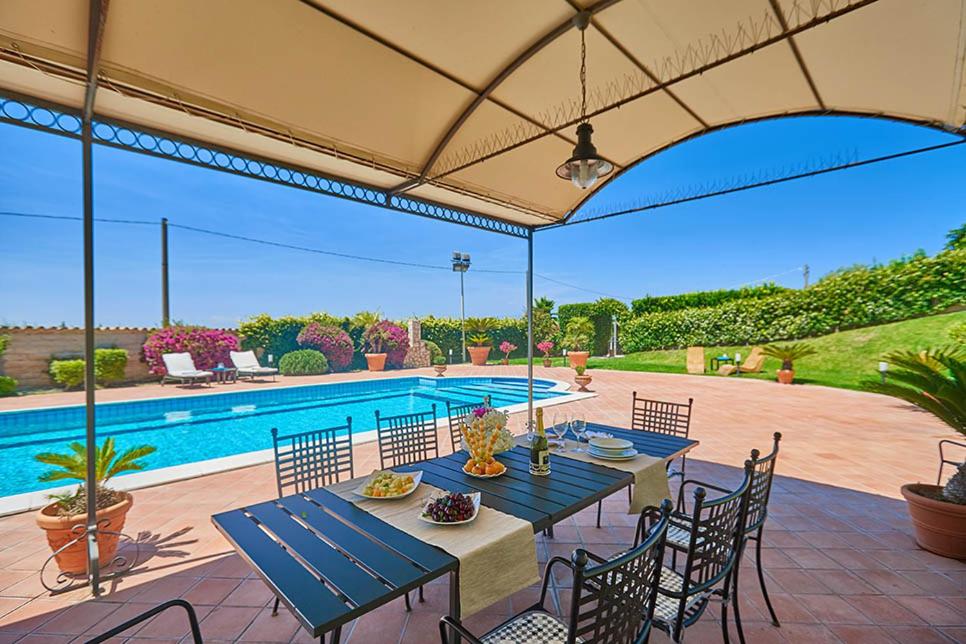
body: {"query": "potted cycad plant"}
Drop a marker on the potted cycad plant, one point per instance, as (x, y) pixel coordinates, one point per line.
(788, 354)
(934, 380)
(68, 511)
(578, 337)
(582, 379)
(479, 339)
(375, 345)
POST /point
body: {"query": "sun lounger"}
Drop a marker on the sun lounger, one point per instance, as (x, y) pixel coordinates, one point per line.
(695, 359)
(247, 365)
(180, 367)
(752, 364)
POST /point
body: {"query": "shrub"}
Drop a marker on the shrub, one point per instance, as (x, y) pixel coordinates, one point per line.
(67, 373)
(334, 343)
(507, 347)
(434, 351)
(600, 314)
(4, 341)
(278, 336)
(699, 299)
(856, 297)
(109, 365)
(8, 386)
(207, 347)
(389, 338)
(304, 362)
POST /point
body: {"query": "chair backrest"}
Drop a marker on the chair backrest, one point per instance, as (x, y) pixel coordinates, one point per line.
(455, 415)
(695, 359)
(755, 360)
(764, 471)
(314, 459)
(715, 542)
(174, 362)
(613, 602)
(407, 438)
(662, 417)
(244, 359)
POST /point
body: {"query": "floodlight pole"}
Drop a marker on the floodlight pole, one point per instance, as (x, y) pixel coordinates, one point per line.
(165, 302)
(461, 264)
(530, 329)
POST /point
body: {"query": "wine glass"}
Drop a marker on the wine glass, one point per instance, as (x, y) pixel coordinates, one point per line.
(579, 427)
(561, 425)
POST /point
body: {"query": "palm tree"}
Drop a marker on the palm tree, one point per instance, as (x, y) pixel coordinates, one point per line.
(544, 304)
(933, 380)
(107, 462)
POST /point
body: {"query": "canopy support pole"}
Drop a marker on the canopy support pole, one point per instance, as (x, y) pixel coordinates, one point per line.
(530, 329)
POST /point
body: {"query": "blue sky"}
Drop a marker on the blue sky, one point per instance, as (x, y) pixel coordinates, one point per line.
(879, 212)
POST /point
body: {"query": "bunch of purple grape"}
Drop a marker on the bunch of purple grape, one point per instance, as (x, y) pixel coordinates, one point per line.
(450, 508)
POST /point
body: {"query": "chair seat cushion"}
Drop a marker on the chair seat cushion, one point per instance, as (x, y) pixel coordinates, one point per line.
(679, 531)
(531, 627)
(666, 608)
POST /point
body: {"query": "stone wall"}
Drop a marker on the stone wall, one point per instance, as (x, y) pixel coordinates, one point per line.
(30, 350)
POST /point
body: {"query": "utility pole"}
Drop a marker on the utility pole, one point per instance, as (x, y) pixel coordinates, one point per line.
(461, 264)
(805, 274)
(165, 302)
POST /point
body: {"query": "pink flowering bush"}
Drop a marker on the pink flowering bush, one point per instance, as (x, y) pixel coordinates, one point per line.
(207, 347)
(507, 348)
(389, 338)
(546, 346)
(334, 343)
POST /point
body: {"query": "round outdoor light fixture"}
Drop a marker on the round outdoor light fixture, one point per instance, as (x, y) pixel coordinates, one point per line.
(585, 166)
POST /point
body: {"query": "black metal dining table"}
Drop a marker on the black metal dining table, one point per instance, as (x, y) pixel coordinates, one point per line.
(330, 562)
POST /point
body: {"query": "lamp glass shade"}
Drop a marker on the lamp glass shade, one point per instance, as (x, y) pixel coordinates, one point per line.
(585, 166)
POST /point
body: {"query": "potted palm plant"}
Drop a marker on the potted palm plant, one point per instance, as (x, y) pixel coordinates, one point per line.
(439, 365)
(934, 380)
(788, 354)
(480, 339)
(375, 344)
(582, 379)
(60, 518)
(578, 337)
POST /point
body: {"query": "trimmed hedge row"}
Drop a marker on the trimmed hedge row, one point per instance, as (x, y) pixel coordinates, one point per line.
(600, 313)
(700, 299)
(850, 298)
(109, 368)
(445, 333)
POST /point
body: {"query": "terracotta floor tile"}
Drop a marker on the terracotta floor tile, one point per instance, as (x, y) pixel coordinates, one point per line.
(932, 610)
(917, 635)
(855, 634)
(831, 609)
(883, 610)
(889, 583)
(266, 628)
(227, 622)
(78, 618)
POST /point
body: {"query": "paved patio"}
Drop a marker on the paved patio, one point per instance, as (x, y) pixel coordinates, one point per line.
(841, 563)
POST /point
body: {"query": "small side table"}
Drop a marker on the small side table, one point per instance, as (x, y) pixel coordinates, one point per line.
(720, 360)
(225, 375)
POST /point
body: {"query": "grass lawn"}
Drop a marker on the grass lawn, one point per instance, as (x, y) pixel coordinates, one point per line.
(844, 359)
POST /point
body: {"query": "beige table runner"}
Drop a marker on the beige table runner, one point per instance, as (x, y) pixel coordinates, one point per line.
(497, 552)
(650, 473)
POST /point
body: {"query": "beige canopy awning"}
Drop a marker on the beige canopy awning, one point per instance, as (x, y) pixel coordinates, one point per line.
(472, 105)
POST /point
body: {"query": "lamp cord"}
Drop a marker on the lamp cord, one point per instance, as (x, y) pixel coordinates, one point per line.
(583, 76)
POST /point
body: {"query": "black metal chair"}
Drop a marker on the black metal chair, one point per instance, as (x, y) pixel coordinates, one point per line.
(314, 459)
(661, 417)
(406, 438)
(714, 537)
(612, 602)
(944, 461)
(455, 415)
(148, 614)
(310, 460)
(763, 473)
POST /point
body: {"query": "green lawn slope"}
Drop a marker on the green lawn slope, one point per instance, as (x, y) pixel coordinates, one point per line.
(844, 359)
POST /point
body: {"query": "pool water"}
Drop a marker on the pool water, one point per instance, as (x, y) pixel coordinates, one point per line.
(196, 428)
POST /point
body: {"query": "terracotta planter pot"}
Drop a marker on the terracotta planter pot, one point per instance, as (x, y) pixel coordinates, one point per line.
(440, 368)
(59, 531)
(583, 381)
(940, 525)
(504, 362)
(479, 355)
(376, 361)
(785, 376)
(578, 358)
(547, 362)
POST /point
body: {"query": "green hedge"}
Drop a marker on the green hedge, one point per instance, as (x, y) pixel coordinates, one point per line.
(445, 332)
(701, 299)
(600, 313)
(109, 367)
(850, 298)
(8, 386)
(67, 373)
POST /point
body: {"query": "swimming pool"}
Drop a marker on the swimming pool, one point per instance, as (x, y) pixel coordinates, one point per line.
(192, 429)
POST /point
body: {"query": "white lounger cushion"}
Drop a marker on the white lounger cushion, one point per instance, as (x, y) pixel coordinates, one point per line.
(180, 365)
(246, 362)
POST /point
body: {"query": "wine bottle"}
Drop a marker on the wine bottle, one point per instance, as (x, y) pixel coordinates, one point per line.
(540, 449)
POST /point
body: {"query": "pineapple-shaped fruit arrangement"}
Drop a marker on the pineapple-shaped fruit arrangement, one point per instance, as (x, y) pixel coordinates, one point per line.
(481, 444)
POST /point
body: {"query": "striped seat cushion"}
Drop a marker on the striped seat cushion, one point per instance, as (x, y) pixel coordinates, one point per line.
(531, 627)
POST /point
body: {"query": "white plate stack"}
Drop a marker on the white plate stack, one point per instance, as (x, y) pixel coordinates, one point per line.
(612, 449)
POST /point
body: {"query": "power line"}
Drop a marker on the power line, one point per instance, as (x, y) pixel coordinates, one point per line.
(32, 215)
(580, 288)
(797, 269)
